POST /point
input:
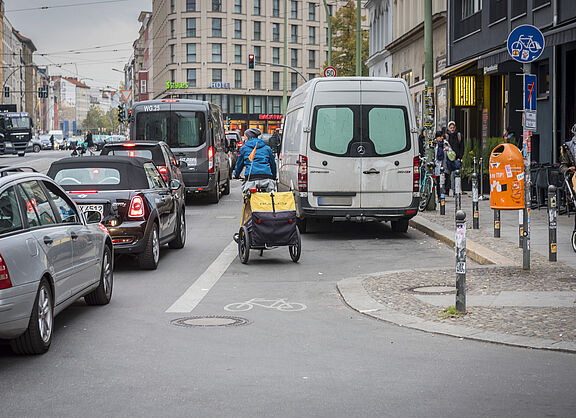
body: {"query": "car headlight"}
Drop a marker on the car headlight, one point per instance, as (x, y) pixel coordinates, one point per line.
(30, 143)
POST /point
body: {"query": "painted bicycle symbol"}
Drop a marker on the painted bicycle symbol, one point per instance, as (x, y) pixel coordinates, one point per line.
(278, 304)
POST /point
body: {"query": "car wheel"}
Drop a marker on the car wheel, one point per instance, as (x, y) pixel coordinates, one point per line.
(103, 293)
(149, 259)
(21, 154)
(226, 190)
(36, 148)
(38, 335)
(400, 225)
(180, 239)
(214, 195)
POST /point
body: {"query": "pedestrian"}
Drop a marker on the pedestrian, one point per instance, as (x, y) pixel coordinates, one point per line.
(422, 142)
(568, 154)
(90, 143)
(441, 160)
(52, 141)
(456, 142)
(509, 136)
(275, 142)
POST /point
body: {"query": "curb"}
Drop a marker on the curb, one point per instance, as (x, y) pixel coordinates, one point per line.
(356, 297)
(476, 252)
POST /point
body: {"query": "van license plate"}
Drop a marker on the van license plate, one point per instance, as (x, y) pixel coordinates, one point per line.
(92, 208)
(190, 161)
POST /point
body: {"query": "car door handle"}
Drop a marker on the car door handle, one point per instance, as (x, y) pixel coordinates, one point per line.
(48, 240)
(371, 171)
(74, 236)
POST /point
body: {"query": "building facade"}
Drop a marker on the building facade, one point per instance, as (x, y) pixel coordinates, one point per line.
(73, 103)
(381, 21)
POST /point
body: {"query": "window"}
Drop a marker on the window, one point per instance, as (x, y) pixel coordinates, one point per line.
(38, 209)
(217, 75)
(216, 5)
(87, 176)
(498, 10)
(172, 31)
(274, 104)
(63, 204)
(276, 32)
(143, 86)
(543, 74)
(470, 7)
(256, 104)
(311, 76)
(257, 8)
(191, 77)
(216, 27)
(387, 129)
(237, 79)
(155, 180)
(237, 6)
(293, 81)
(237, 29)
(172, 6)
(312, 35)
(236, 104)
(311, 11)
(190, 5)
(311, 59)
(190, 52)
(238, 54)
(333, 130)
(293, 9)
(257, 31)
(275, 80)
(257, 79)
(173, 76)
(172, 54)
(216, 52)
(257, 54)
(10, 219)
(275, 8)
(326, 37)
(519, 7)
(275, 55)
(191, 27)
(293, 33)
(294, 57)
(187, 129)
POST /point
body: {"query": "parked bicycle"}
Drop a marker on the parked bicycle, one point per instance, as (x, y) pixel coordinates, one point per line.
(426, 188)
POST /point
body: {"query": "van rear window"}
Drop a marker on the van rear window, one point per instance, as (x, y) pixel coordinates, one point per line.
(387, 129)
(334, 129)
(179, 129)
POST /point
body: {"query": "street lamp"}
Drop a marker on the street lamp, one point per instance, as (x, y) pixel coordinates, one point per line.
(116, 69)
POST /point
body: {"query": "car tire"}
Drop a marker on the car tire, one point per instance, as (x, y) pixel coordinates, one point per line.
(148, 260)
(38, 336)
(226, 190)
(180, 240)
(214, 195)
(103, 293)
(36, 148)
(21, 154)
(400, 226)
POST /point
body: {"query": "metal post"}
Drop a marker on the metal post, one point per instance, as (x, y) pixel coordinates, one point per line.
(481, 179)
(358, 38)
(527, 199)
(429, 78)
(552, 215)
(442, 195)
(520, 227)
(474, 165)
(329, 23)
(496, 223)
(476, 215)
(457, 191)
(460, 243)
(285, 73)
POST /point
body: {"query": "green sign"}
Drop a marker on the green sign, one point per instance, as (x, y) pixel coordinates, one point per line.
(170, 85)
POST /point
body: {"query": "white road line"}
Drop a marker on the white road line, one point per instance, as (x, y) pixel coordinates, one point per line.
(200, 288)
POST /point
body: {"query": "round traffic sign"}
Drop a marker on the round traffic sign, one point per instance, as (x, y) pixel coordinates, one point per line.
(329, 72)
(525, 43)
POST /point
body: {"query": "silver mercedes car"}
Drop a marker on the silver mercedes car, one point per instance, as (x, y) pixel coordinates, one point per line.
(49, 257)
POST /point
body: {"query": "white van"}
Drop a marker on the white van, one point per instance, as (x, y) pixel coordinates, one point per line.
(58, 138)
(350, 151)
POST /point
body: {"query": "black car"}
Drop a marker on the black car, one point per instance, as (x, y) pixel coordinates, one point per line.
(233, 139)
(157, 151)
(141, 211)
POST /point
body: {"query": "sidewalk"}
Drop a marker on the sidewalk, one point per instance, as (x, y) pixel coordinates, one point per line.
(505, 304)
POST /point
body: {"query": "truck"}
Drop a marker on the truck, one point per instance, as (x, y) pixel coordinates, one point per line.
(15, 132)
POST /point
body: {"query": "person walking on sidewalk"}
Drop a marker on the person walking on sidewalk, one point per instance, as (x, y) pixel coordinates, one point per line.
(90, 143)
(568, 154)
(457, 144)
(441, 160)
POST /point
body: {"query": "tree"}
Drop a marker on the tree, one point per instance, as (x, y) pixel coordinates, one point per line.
(98, 121)
(344, 41)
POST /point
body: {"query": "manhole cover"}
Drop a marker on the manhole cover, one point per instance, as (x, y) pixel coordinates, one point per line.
(209, 321)
(434, 290)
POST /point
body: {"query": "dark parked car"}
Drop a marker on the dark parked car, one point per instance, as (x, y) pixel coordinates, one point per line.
(139, 209)
(234, 139)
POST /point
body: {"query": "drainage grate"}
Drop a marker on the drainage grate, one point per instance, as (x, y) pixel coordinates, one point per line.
(433, 290)
(209, 321)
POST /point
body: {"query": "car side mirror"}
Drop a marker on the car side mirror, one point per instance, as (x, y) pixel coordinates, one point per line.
(174, 185)
(93, 217)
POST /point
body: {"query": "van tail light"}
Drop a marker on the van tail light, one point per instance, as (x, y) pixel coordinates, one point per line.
(5, 281)
(136, 207)
(239, 144)
(211, 159)
(416, 174)
(302, 173)
(164, 172)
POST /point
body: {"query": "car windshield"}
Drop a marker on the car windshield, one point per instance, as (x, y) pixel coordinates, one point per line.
(18, 122)
(87, 176)
(179, 129)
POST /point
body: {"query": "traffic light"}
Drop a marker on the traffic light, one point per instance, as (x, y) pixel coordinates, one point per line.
(120, 113)
(43, 92)
(6, 91)
(250, 61)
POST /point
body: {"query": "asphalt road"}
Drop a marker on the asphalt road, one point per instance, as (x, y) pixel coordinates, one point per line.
(127, 359)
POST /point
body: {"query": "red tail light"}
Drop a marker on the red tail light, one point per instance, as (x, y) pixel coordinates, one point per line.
(164, 172)
(416, 174)
(136, 207)
(170, 101)
(5, 282)
(83, 191)
(239, 144)
(303, 173)
(128, 145)
(211, 159)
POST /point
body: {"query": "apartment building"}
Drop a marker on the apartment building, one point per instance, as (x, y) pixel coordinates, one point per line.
(73, 102)
(201, 48)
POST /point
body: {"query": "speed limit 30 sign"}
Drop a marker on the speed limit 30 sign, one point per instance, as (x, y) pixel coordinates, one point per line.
(329, 72)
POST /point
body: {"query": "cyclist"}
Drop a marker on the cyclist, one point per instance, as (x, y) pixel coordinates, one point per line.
(257, 160)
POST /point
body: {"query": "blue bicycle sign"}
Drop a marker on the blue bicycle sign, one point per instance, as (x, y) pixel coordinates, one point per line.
(525, 43)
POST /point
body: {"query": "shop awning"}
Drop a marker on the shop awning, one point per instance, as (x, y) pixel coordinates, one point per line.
(453, 68)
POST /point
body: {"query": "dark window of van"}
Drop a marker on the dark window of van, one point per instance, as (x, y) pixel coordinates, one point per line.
(387, 129)
(333, 129)
(179, 129)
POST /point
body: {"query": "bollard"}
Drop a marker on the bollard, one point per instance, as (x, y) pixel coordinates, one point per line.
(475, 214)
(474, 165)
(481, 179)
(460, 243)
(520, 227)
(496, 223)
(442, 188)
(457, 191)
(552, 218)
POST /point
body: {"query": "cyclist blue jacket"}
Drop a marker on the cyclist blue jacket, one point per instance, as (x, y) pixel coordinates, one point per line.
(263, 166)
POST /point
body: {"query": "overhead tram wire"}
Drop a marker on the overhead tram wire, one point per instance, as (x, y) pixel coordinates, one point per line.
(65, 5)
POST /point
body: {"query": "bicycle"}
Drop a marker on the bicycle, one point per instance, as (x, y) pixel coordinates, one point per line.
(426, 187)
(278, 304)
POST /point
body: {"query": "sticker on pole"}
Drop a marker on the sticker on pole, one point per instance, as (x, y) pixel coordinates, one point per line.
(329, 72)
(525, 43)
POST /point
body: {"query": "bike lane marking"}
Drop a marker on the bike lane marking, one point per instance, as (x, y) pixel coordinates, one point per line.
(200, 288)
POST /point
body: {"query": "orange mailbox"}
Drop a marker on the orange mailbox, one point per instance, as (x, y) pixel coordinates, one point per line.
(506, 178)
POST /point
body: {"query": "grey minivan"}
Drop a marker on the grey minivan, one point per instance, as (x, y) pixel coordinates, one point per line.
(194, 130)
(49, 257)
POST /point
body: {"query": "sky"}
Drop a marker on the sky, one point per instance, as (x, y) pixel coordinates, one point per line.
(57, 30)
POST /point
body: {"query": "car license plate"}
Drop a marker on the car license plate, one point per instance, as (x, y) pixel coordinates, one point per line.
(191, 161)
(92, 208)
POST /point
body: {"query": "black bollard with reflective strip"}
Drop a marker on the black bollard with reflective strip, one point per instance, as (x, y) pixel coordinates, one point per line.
(475, 213)
(457, 191)
(460, 244)
(442, 195)
(552, 223)
(496, 223)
